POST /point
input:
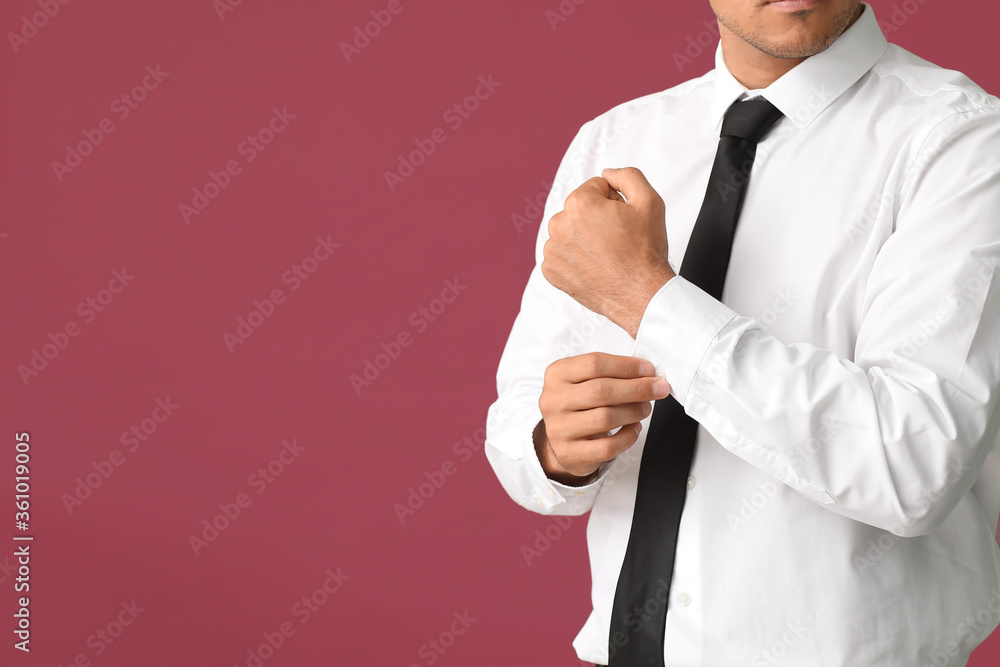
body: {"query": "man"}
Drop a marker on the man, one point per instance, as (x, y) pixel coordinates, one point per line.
(841, 502)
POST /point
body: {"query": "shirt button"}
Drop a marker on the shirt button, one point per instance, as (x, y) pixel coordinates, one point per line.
(691, 482)
(683, 599)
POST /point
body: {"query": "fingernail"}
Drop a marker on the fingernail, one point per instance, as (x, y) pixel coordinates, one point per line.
(638, 428)
(646, 409)
(660, 387)
(646, 369)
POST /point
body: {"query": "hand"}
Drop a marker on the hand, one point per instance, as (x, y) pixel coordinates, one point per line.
(583, 399)
(609, 254)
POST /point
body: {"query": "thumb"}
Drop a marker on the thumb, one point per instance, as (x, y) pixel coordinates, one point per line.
(630, 182)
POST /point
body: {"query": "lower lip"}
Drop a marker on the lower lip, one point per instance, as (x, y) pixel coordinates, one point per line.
(793, 5)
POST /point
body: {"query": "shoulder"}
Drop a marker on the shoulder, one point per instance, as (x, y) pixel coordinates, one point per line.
(659, 104)
(928, 91)
(948, 127)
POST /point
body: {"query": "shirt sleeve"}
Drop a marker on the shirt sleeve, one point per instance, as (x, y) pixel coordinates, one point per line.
(549, 326)
(896, 436)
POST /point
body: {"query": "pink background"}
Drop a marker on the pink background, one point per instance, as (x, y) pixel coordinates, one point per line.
(333, 505)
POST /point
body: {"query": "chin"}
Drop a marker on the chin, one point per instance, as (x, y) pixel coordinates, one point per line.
(797, 42)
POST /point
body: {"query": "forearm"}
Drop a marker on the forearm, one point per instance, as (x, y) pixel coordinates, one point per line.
(889, 441)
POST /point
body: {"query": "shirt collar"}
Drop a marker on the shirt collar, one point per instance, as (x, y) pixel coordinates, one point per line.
(807, 89)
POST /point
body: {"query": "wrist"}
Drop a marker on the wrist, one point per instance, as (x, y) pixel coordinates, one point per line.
(551, 466)
(645, 293)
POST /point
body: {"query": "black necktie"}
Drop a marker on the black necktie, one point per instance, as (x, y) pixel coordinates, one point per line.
(638, 618)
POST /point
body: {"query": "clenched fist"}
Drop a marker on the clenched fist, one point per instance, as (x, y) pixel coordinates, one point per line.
(583, 399)
(607, 253)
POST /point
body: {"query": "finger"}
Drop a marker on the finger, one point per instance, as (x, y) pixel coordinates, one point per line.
(630, 182)
(607, 448)
(599, 421)
(599, 185)
(613, 391)
(596, 187)
(592, 365)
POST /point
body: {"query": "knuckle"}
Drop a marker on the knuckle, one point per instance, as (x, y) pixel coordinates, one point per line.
(602, 418)
(545, 403)
(551, 374)
(554, 430)
(594, 391)
(555, 224)
(606, 450)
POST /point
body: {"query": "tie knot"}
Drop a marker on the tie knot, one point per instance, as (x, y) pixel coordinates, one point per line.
(749, 119)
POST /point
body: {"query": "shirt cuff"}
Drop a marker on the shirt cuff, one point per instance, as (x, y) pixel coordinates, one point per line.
(528, 483)
(679, 325)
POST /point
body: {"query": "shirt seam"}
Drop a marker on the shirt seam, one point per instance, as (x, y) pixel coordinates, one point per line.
(907, 172)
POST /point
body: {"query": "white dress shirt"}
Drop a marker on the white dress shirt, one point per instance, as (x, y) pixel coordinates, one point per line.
(844, 496)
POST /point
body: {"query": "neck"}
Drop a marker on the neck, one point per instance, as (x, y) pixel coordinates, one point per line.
(749, 65)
